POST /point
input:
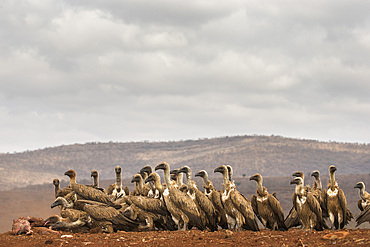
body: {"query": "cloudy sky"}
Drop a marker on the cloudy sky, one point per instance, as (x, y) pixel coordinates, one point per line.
(84, 71)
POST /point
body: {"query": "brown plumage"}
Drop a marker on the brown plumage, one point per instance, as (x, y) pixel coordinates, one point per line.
(176, 213)
(238, 209)
(87, 192)
(336, 202)
(68, 212)
(185, 205)
(78, 225)
(205, 206)
(100, 212)
(364, 216)
(267, 207)
(292, 219)
(215, 197)
(307, 207)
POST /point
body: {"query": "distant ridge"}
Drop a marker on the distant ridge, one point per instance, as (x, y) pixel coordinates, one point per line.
(268, 155)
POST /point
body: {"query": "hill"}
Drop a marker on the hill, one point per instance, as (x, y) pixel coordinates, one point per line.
(269, 155)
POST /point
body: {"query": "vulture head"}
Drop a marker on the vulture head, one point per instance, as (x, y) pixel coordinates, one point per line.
(162, 166)
(360, 185)
(256, 177)
(70, 173)
(136, 178)
(315, 174)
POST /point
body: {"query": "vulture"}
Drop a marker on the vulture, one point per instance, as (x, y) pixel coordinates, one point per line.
(239, 212)
(95, 176)
(267, 207)
(184, 205)
(336, 202)
(364, 216)
(80, 224)
(176, 214)
(318, 193)
(307, 207)
(68, 211)
(139, 183)
(56, 186)
(108, 217)
(317, 183)
(153, 210)
(292, 219)
(215, 197)
(364, 196)
(205, 206)
(148, 188)
(116, 189)
(88, 192)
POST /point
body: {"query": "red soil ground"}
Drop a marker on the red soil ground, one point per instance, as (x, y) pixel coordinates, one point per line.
(293, 237)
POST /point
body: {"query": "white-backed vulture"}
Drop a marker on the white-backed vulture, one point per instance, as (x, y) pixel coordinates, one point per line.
(267, 207)
(153, 210)
(336, 202)
(176, 214)
(184, 204)
(215, 197)
(292, 219)
(56, 186)
(364, 196)
(104, 215)
(116, 189)
(148, 188)
(81, 224)
(88, 192)
(318, 193)
(317, 183)
(307, 207)
(95, 176)
(138, 180)
(238, 209)
(178, 183)
(68, 213)
(205, 206)
(364, 216)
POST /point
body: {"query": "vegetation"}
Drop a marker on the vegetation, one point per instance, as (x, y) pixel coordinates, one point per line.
(268, 155)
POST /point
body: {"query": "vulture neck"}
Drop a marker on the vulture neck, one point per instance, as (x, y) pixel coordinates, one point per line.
(167, 177)
(318, 183)
(362, 193)
(226, 182)
(118, 179)
(56, 189)
(66, 204)
(96, 181)
(139, 185)
(179, 180)
(299, 190)
(157, 185)
(205, 180)
(260, 187)
(72, 180)
(332, 181)
(188, 178)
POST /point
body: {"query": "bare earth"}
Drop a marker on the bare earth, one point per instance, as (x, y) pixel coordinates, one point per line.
(293, 237)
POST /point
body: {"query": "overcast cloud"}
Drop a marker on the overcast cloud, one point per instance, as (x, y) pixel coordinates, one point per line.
(83, 71)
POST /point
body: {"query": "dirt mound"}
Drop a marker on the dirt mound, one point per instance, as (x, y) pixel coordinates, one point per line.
(293, 237)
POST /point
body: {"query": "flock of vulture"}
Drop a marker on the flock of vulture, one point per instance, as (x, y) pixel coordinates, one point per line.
(174, 205)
